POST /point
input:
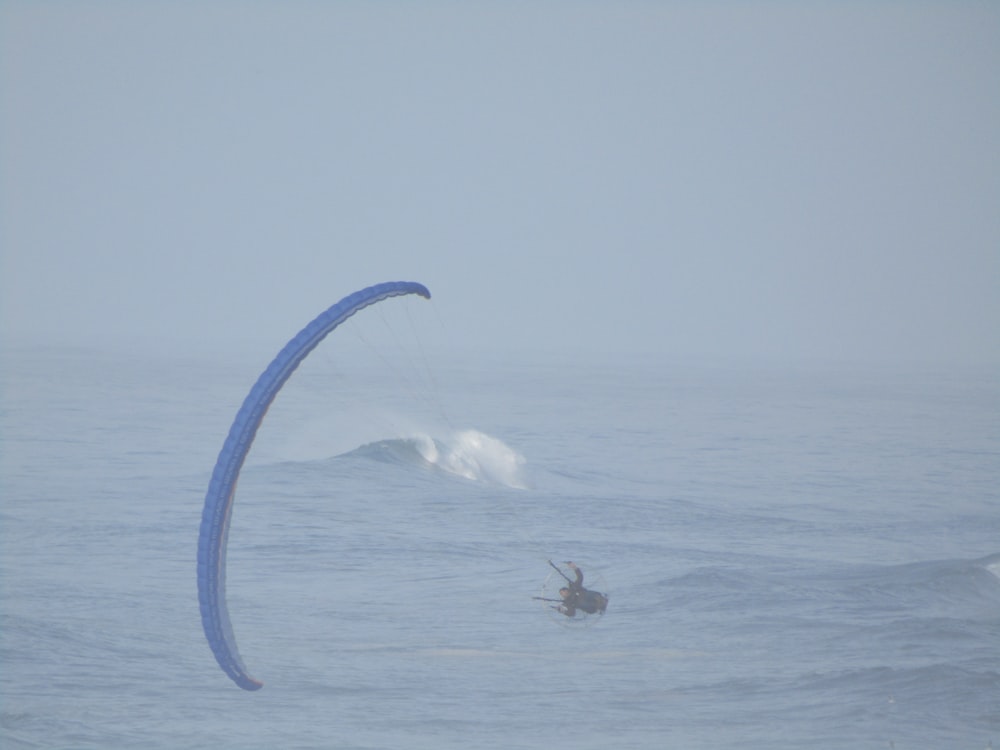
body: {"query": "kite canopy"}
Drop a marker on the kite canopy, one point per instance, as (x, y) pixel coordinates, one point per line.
(222, 486)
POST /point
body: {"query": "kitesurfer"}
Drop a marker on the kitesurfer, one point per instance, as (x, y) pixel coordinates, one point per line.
(575, 596)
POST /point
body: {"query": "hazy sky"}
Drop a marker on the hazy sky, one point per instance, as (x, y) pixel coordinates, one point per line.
(774, 179)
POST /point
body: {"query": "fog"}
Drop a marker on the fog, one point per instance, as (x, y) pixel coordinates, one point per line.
(765, 181)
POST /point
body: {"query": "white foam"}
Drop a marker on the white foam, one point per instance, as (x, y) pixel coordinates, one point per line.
(474, 455)
(994, 568)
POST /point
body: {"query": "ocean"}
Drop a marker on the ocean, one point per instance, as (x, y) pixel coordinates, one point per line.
(805, 556)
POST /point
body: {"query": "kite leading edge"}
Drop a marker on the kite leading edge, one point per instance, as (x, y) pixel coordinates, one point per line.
(222, 486)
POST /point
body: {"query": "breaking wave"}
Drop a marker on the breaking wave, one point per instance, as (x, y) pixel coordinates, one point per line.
(469, 454)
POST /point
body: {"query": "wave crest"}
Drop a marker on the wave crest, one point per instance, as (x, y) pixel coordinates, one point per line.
(469, 454)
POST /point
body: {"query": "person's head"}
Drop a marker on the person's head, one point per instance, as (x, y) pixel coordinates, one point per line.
(564, 592)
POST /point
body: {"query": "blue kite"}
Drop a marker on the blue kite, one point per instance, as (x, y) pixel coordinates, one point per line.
(222, 486)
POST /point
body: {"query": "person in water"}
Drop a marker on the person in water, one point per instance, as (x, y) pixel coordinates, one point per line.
(575, 597)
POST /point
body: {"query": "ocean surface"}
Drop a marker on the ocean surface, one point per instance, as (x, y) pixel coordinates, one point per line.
(796, 557)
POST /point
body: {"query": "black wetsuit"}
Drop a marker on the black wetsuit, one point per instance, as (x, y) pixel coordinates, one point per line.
(583, 599)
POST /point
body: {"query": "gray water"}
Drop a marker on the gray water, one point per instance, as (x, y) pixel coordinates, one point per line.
(795, 557)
